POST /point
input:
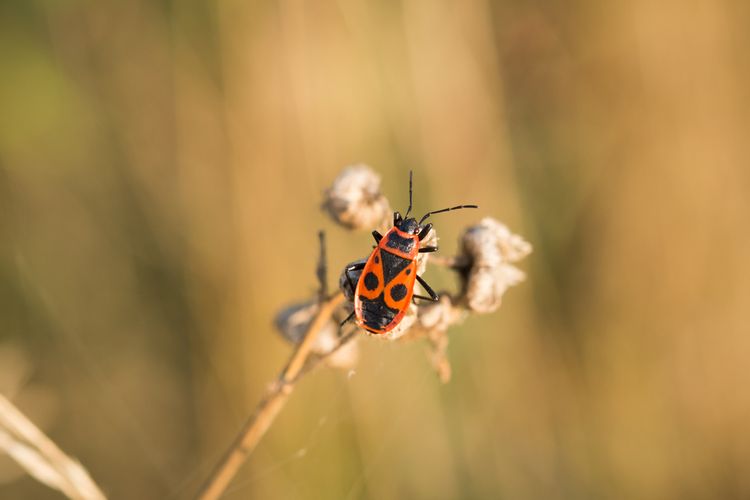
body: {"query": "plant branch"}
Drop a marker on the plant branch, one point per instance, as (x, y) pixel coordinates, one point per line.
(256, 426)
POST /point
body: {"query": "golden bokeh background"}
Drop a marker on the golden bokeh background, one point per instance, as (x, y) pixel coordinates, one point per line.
(161, 170)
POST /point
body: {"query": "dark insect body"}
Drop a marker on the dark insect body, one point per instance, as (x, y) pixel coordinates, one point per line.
(386, 284)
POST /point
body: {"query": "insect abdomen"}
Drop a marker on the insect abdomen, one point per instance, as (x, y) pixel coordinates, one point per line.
(376, 315)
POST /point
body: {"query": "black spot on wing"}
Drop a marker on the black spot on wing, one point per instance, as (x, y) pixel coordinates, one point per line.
(371, 281)
(392, 265)
(398, 292)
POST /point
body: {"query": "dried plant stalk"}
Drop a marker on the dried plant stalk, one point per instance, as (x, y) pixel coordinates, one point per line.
(266, 412)
(41, 458)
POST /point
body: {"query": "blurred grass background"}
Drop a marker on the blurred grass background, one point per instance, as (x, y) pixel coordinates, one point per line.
(161, 165)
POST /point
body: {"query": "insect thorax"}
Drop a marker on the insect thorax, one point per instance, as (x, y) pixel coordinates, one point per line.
(398, 242)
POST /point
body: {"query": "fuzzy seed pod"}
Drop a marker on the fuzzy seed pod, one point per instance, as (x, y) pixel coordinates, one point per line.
(293, 321)
(436, 317)
(355, 201)
(440, 315)
(490, 247)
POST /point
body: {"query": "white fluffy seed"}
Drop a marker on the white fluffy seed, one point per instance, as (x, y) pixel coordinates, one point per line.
(354, 199)
(490, 247)
(293, 322)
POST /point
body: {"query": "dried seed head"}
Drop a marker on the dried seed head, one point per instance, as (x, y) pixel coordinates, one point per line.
(345, 357)
(355, 201)
(293, 321)
(435, 316)
(490, 247)
(440, 315)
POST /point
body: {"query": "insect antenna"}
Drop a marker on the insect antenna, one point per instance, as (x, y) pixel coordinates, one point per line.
(445, 210)
(409, 210)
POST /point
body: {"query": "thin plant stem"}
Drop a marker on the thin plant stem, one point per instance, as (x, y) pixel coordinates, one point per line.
(40, 456)
(256, 426)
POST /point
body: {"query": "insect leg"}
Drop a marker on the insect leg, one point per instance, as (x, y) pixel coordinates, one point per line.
(428, 249)
(433, 295)
(347, 319)
(425, 231)
(415, 296)
(377, 236)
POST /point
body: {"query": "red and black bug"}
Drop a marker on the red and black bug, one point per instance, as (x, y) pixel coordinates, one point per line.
(386, 284)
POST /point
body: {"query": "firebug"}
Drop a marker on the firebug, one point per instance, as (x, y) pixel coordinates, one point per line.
(386, 284)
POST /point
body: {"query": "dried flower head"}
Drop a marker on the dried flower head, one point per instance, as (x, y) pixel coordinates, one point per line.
(438, 316)
(490, 247)
(355, 201)
(293, 322)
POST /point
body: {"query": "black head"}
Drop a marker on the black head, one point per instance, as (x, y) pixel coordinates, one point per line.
(410, 225)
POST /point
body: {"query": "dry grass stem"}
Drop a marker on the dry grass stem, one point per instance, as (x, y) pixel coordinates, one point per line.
(41, 458)
(257, 425)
